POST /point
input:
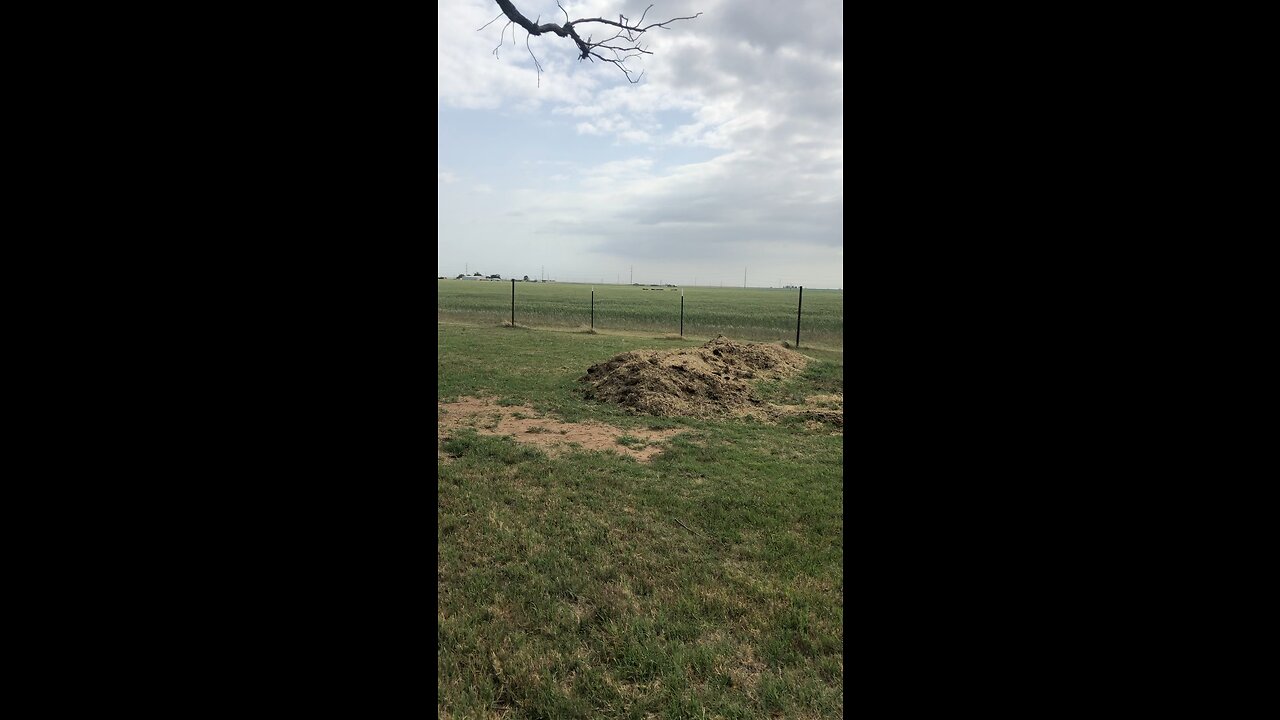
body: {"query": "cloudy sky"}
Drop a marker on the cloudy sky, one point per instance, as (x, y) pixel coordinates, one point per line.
(728, 154)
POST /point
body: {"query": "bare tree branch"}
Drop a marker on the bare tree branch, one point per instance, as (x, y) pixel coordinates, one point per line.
(628, 36)
(503, 36)
(536, 64)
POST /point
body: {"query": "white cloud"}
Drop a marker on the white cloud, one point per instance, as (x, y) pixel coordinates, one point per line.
(756, 82)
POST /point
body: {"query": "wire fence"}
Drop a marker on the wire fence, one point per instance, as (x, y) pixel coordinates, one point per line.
(800, 316)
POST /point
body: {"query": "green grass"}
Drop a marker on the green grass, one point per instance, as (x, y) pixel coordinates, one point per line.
(745, 314)
(707, 583)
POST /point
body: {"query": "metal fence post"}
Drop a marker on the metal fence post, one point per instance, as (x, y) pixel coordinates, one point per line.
(682, 312)
(593, 308)
(513, 302)
(799, 305)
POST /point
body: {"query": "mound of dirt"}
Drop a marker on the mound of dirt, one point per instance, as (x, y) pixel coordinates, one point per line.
(711, 380)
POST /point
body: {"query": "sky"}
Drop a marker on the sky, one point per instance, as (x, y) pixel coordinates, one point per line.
(727, 157)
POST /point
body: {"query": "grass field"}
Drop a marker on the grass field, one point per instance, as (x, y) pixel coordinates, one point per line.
(705, 583)
(745, 314)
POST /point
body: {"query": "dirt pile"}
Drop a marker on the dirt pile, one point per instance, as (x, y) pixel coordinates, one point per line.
(711, 380)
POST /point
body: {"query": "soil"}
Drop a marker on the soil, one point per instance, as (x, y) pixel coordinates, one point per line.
(487, 417)
(714, 380)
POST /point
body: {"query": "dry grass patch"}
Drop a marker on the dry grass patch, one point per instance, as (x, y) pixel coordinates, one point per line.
(523, 424)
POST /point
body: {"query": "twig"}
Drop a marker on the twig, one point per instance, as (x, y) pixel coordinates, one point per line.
(503, 36)
(686, 527)
(536, 64)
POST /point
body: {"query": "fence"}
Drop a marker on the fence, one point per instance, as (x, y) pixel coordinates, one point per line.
(806, 317)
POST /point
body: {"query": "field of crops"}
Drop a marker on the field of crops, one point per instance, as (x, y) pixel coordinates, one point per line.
(749, 314)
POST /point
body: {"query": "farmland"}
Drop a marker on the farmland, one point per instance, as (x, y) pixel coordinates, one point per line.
(700, 578)
(762, 314)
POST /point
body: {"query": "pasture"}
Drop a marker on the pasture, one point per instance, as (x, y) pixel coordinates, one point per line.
(681, 568)
(761, 314)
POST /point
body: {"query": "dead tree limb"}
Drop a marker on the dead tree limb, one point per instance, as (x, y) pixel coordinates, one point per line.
(615, 49)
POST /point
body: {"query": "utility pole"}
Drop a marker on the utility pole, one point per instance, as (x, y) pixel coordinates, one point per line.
(744, 278)
(633, 274)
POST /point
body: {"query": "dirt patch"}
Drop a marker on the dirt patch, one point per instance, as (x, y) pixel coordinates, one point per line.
(814, 415)
(526, 425)
(715, 379)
